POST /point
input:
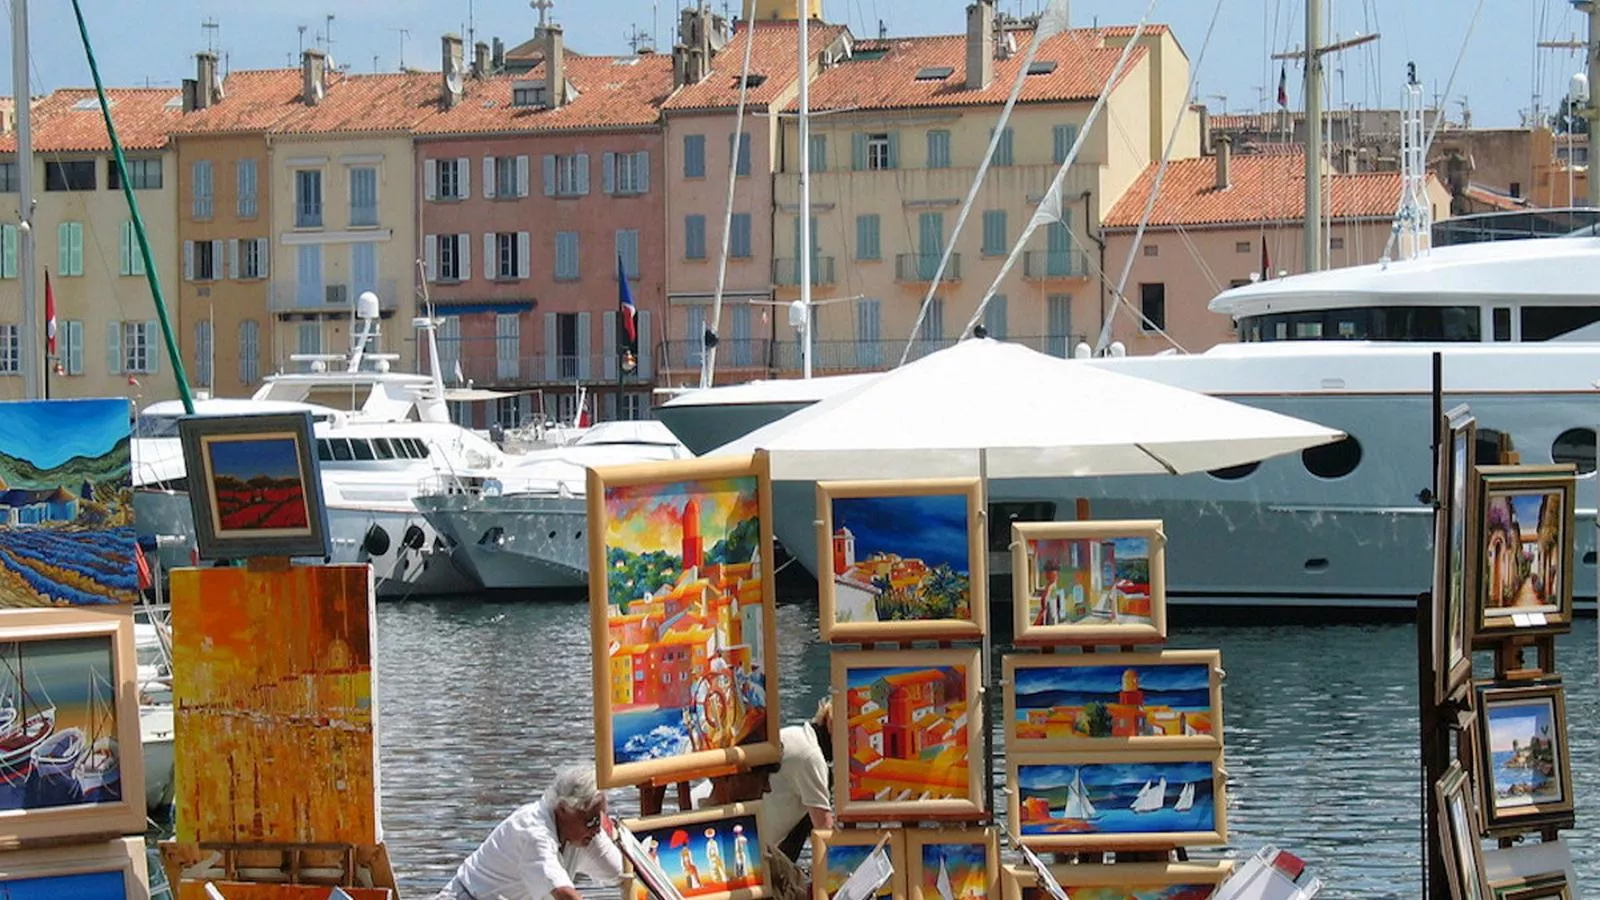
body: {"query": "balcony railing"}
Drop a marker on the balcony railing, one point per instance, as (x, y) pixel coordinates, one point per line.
(786, 270)
(363, 215)
(487, 364)
(919, 268)
(1041, 264)
(732, 353)
(782, 357)
(329, 297)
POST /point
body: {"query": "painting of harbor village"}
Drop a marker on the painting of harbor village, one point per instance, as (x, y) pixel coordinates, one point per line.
(66, 504)
(1089, 580)
(1525, 546)
(1167, 699)
(683, 623)
(1087, 804)
(1524, 737)
(912, 726)
(713, 853)
(902, 559)
(58, 723)
(273, 694)
(952, 864)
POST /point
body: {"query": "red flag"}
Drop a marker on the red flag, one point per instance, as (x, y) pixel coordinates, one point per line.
(146, 580)
(1266, 263)
(49, 316)
(1283, 86)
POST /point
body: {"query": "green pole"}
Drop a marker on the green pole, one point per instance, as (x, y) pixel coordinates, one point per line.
(138, 221)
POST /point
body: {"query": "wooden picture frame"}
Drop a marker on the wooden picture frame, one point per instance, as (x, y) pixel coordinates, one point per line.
(874, 589)
(706, 613)
(1547, 886)
(1088, 881)
(1524, 780)
(836, 852)
(970, 879)
(255, 486)
(74, 774)
(78, 870)
(1507, 496)
(1065, 582)
(727, 840)
(1100, 803)
(1459, 827)
(1455, 535)
(877, 748)
(1165, 700)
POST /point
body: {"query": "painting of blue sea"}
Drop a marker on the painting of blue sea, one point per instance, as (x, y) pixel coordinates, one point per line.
(1116, 798)
(86, 886)
(901, 558)
(58, 739)
(66, 504)
(1523, 745)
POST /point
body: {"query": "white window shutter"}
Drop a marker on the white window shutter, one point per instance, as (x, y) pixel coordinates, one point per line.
(488, 178)
(524, 255)
(490, 270)
(430, 179)
(152, 358)
(188, 260)
(608, 173)
(551, 346)
(522, 176)
(608, 345)
(583, 173)
(583, 346)
(464, 264)
(233, 258)
(430, 257)
(262, 247)
(463, 178)
(642, 160)
(114, 347)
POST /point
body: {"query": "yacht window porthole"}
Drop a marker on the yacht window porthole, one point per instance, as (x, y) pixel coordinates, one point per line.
(1234, 473)
(1576, 446)
(1334, 460)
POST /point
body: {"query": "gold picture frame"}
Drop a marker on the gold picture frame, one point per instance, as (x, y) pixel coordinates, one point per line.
(876, 747)
(1164, 700)
(856, 844)
(1546, 886)
(727, 839)
(969, 878)
(1524, 759)
(1020, 882)
(1087, 604)
(1459, 828)
(706, 614)
(1501, 592)
(1106, 800)
(886, 593)
(81, 869)
(1455, 533)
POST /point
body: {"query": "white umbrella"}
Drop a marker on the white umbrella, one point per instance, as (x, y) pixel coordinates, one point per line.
(1001, 410)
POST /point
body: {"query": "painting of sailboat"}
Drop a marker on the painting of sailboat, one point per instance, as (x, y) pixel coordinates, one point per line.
(952, 863)
(52, 715)
(1102, 799)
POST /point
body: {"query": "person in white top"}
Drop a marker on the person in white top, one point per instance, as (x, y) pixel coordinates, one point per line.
(537, 851)
(799, 799)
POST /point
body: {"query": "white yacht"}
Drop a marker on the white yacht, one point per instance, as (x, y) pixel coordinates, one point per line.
(523, 526)
(1517, 324)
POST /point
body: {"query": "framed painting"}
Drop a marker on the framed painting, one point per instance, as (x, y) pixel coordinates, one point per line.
(71, 713)
(836, 853)
(906, 560)
(66, 504)
(107, 870)
(912, 725)
(1523, 760)
(1113, 701)
(1122, 881)
(1098, 801)
(1549, 886)
(712, 853)
(961, 863)
(1089, 582)
(249, 890)
(1454, 540)
(681, 603)
(254, 486)
(1523, 553)
(1458, 833)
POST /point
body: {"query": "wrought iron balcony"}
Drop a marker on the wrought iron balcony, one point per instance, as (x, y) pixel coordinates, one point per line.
(919, 268)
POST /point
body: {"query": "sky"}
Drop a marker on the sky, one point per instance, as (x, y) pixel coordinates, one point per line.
(50, 433)
(153, 41)
(250, 457)
(938, 533)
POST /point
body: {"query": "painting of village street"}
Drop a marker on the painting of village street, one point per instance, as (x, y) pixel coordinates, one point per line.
(58, 724)
(66, 504)
(685, 618)
(1524, 548)
(720, 857)
(1114, 798)
(903, 558)
(1089, 581)
(1524, 751)
(957, 870)
(908, 730)
(1061, 703)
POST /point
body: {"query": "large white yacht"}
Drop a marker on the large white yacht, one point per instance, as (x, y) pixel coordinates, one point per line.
(1517, 324)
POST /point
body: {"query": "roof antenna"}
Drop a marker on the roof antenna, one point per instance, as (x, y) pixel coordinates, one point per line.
(302, 30)
(638, 38)
(210, 26)
(404, 33)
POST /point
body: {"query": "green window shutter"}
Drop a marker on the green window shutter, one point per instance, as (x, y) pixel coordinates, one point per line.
(77, 248)
(858, 152)
(8, 251)
(894, 149)
(152, 350)
(64, 248)
(114, 348)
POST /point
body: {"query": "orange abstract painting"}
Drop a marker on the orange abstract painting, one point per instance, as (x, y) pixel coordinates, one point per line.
(273, 689)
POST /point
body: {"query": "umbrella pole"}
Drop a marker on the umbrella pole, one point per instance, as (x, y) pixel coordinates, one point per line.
(986, 655)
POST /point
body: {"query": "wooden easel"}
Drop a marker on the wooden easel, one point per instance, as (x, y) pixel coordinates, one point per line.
(334, 865)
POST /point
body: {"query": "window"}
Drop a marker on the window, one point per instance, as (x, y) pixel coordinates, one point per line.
(694, 237)
(1575, 446)
(939, 149)
(508, 255)
(252, 260)
(1152, 250)
(69, 176)
(819, 153)
(450, 262)
(879, 155)
(69, 249)
(505, 182)
(202, 188)
(8, 251)
(1336, 243)
(994, 317)
(567, 347)
(566, 176)
(308, 283)
(245, 174)
(144, 174)
(1242, 247)
(739, 236)
(867, 246)
(1062, 139)
(137, 339)
(249, 351)
(1004, 152)
(742, 163)
(1515, 189)
(1334, 460)
(363, 268)
(202, 352)
(363, 196)
(995, 242)
(72, 359)
(1153, 307)
(627, 173)
(10, 182)
(309, 337)
(308, 198)
(446, 179)
(507, 347)
(10, 350)
(694, 156)
(869, 336)
(202, 260)
(566, 256)
(130, 260)
(628, 251)
(1058, 334)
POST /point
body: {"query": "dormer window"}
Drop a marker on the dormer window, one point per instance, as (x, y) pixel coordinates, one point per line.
(1043, 67)
(530, 94)
(935, 73)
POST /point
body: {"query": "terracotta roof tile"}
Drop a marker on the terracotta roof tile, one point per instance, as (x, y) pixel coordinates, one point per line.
(775, 55)
(1490, 197)
(1262, 188)
(1083, 61)
(252, 100)
(69, 120)
(365, 103)
(613, 92)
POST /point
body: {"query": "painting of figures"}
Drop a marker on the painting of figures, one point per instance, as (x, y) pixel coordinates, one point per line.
(952, 864)
(273, 674)
(836, 854)
(1106, 700)
(913, 723)
(1524, 548)
(255, 488)
(1100, 800)
(66, 504)
(906, 560)
(681, 618)
(1523, 745)
(256, 484)
(1122, 881)
(712, 853)
(1089, 581)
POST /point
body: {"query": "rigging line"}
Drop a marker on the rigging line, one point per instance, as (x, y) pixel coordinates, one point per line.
(1052, 197)
(1155, 188)
(1053, 23)
(708, 366)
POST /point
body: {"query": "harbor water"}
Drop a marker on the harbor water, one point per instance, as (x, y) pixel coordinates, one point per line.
(480, 702)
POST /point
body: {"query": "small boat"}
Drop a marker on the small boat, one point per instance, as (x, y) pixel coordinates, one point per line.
(59, 754)
(99, 771)
(1078, 806)
(16, 749)
(1150, 798)
(1185, 799)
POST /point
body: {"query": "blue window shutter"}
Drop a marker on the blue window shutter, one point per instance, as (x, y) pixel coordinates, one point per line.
(584, 346)
(8, 251)
(549, 175)
(644, 343)
(608, 173)
(642, 160)
(114, 348)
(552, 347)
(894, 149)
(694, 156)
(583, 174)
(77, 248)
(858, 152)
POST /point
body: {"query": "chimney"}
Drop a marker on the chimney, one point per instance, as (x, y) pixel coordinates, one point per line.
(497, 55)
(313, 71)
(480, 60)
(555, 66)
(205, 94)
(1224, 161)
(1348, 164)
(451, 71)
(980, 45)
(680, 62)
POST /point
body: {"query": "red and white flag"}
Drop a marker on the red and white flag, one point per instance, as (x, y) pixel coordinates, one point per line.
(49, 316)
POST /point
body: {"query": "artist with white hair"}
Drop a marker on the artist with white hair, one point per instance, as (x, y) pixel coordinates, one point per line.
(537, 851)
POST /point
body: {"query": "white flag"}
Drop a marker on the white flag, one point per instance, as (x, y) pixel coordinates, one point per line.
(946, 890)
(460, 378)
(1047, 881)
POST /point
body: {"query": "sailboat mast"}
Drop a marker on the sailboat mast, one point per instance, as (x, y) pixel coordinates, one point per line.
(804, 262)
(31, 359)
(1313, 225)
(1593, 55)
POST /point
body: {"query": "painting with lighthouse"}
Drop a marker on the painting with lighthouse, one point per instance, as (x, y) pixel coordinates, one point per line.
(1084, 801)
(681, 603)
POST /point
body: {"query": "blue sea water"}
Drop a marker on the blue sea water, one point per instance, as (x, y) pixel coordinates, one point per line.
(1506, 777)
(648, 734)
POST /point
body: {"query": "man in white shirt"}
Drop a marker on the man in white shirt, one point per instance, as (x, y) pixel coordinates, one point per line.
(535, 853)
(799, 800)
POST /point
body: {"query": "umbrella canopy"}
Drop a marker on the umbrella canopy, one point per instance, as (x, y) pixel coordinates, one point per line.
(1031, 415)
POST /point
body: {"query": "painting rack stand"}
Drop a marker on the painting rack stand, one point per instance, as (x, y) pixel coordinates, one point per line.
(334, 865)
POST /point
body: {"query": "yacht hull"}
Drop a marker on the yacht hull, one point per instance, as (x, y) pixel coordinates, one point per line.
(155, 733)
(515, 542)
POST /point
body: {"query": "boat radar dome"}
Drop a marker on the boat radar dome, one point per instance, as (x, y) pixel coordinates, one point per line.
(1082, 351)
(318, 365)
(367, 305)
(1578, 89)
(1118, 349)
(797, 314)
